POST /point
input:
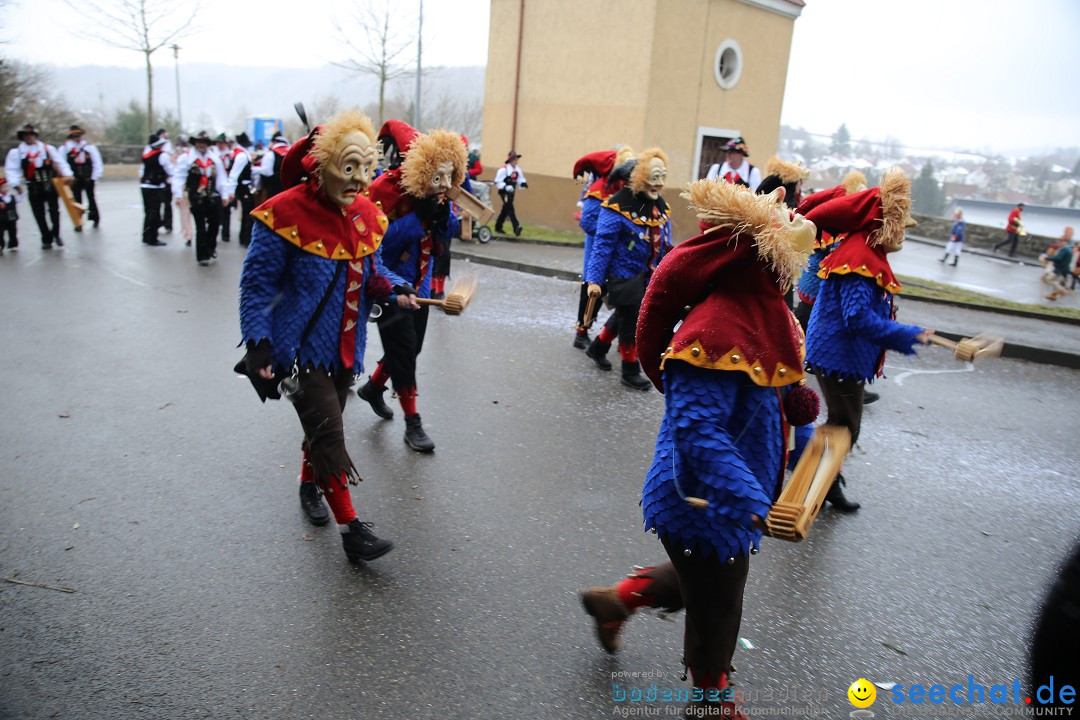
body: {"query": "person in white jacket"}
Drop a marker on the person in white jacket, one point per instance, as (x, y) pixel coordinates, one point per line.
(508, 179)
(736, 169)
(154, 181)
(85, 161)
(34, 164)
(201, 174)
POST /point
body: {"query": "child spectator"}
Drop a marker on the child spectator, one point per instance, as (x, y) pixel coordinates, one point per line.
(8, 216)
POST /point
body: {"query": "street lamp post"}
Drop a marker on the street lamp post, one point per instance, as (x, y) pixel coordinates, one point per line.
(179, 114)
(419, 55)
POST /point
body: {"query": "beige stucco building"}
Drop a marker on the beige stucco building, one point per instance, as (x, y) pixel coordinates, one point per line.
(567, 77)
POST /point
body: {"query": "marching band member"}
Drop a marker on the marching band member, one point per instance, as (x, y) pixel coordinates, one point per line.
(735, 168)
(34, 164)
(84, 159)
(155, 177)
(199, 172)
(269, 168)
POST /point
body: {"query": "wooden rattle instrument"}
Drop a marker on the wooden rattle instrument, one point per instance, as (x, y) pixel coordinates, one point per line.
(982, 345)
(798, 505)
(460, 295)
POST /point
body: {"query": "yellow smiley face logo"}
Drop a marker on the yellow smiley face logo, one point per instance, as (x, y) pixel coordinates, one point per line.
(862, 693)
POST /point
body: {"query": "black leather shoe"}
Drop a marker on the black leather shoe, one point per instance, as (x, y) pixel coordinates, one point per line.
(157, 243)
(415, 436)
(869, 397)
(581, 339)
(374, 397)
(598, 352)
(58, 241)
(361, 544)
(78, 229)
(835, 496)
(312, 504)
(632, 377)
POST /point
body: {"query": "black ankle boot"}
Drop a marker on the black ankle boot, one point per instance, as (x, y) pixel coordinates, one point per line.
(869, 397)
(415, 436)
(581, 339)
(836, 498)
(312, 504)
(361, 544)
(598, 352)
(632, 377)
(374, 397)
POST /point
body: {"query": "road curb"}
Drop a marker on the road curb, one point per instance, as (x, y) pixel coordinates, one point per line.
(1042, 356)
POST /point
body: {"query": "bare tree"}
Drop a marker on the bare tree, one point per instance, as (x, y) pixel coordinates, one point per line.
(144, 26)
(378, 41)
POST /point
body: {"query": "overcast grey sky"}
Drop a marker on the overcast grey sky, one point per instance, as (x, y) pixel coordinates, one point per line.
(978, 74)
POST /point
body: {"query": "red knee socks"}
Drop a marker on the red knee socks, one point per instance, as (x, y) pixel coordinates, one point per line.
(380, 376)
(633, 592)
(307, 474)
(407, 398)
(607, 335)
(336, 492)
(628, 352)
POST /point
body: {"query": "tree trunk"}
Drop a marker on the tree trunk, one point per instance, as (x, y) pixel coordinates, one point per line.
(382, 90)
(149, 95)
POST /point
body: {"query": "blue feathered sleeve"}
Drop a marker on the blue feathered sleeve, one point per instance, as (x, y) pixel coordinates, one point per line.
(261, 283)
(857, 296)
(608, 226)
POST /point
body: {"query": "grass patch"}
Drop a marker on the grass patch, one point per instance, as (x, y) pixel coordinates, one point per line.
(919, 287)
(536, 232)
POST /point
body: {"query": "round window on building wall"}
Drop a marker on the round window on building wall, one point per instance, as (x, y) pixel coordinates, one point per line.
(727, 67)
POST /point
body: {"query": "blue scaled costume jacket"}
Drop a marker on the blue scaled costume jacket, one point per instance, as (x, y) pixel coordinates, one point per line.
(852, 323)
(723, 372)
(297, 243)
(410, 243)
(633, 233)
(590, 211)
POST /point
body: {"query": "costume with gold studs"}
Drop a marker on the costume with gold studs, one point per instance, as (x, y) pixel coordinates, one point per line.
(724, 433)
(633, 234)
(420, 219)
(599, 167)
(827, 239)
(306, 289)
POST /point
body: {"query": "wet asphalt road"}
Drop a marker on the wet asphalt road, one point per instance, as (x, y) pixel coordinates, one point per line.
(140, 472)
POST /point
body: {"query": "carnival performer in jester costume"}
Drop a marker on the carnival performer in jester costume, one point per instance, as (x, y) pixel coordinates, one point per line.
(633, 233)
(721, 449)
(599, 168)
(308, 283)
(853, 323)
(826, 241)
(413, 196)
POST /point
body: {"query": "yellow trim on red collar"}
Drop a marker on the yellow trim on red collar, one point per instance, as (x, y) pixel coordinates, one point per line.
(639, 220)
(332, 250)
(846, 269)
(735, 359)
